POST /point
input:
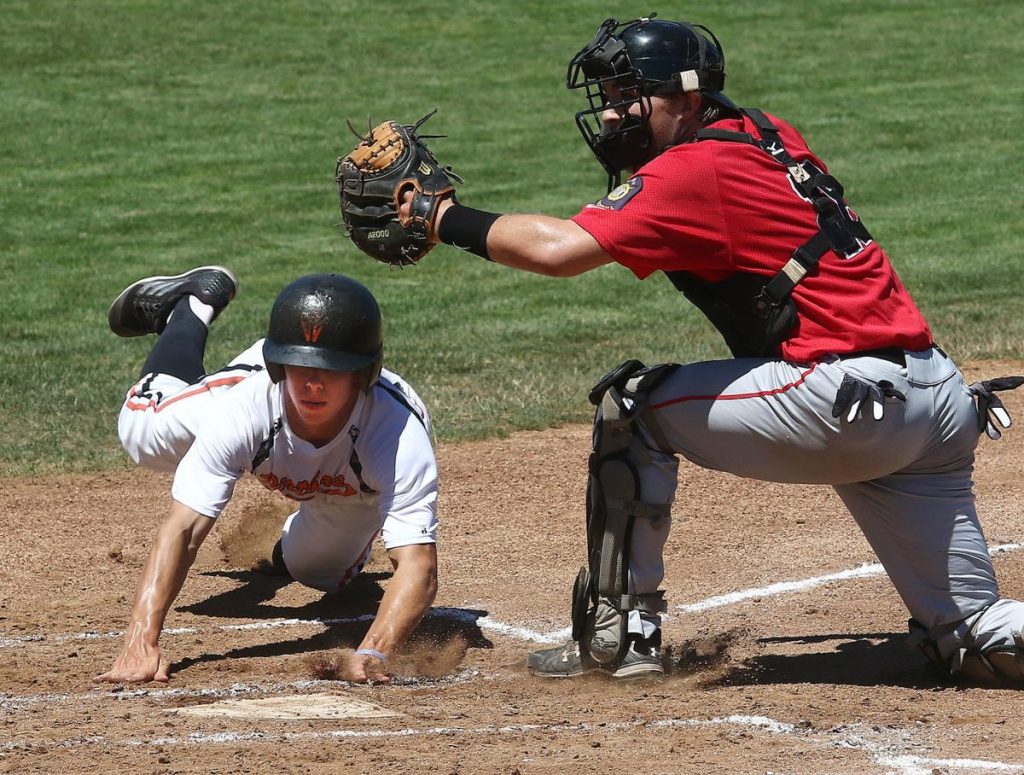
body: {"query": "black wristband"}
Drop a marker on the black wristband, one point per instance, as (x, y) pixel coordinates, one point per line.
(466, 229)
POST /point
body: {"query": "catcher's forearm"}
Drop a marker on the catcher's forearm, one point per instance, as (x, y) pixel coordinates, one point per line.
(172, 555)
(406, 600)
(533, 243)
(397, 201)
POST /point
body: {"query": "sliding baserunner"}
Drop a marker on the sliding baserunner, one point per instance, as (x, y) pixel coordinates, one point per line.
(312, 415)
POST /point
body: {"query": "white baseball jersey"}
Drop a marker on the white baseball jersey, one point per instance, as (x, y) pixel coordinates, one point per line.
(377, 475)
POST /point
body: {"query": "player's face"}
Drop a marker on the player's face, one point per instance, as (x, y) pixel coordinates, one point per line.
(319, 402)
(667, 121)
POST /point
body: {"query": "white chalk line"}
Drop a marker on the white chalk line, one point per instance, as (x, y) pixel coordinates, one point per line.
(919, 765)
(14, 702)
(489, 623)
(780, 588)
(459, 614)
(195, 738)
(882, 754)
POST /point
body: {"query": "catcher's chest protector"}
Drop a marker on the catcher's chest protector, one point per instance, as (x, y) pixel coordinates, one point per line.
(755, 317)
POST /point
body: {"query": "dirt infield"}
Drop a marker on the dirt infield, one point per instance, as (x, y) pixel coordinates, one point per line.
(813, 676)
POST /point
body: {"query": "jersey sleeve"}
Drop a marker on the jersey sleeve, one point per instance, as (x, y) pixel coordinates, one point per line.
(398, 462)
(666, 217)
(224, 446)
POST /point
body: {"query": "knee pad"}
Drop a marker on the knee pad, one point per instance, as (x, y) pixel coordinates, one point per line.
(601, 596)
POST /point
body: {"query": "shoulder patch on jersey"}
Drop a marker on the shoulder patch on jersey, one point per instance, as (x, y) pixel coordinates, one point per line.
(617, 198)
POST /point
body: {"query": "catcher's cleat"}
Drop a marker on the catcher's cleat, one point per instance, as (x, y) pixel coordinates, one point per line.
(642, 660)
(143, 307)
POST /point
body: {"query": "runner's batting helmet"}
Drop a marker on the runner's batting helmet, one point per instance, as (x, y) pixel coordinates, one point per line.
(325, 321)
(642, 58)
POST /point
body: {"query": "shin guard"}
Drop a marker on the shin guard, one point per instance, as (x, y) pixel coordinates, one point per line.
(601, 599)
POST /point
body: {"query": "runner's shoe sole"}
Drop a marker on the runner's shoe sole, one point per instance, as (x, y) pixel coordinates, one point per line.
(143, 307)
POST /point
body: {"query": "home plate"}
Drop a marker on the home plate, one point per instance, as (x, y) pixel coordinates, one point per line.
(296, 706)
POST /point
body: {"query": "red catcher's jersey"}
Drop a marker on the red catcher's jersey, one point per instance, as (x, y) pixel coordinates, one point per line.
(713, 208)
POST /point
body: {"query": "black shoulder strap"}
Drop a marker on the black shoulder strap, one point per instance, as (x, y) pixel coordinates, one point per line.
(726, 135)
(821, 189)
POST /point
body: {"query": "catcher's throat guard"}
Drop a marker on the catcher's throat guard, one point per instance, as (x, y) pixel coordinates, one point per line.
(601, 597)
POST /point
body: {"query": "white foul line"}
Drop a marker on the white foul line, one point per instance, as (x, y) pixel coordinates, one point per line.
(905, 764)
(15, 702)
(488, 623)
(863, 571)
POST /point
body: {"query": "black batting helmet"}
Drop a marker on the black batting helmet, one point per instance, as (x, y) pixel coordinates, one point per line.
(643, 58)
(325, 321)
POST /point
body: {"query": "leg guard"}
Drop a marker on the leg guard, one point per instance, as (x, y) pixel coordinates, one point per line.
(601, 599)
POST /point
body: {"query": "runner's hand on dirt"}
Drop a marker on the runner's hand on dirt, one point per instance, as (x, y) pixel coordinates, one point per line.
(137, 663)
(363, 668)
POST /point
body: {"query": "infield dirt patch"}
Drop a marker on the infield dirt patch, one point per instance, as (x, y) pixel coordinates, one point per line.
(816, 680)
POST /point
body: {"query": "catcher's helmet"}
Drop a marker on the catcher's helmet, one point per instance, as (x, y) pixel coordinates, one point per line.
(325, 321)
(643, 58)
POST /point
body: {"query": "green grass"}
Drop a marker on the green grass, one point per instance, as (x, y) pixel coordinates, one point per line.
(145, 137)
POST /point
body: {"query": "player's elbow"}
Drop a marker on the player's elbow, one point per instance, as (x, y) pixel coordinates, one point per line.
(566, 250)
(556, 259)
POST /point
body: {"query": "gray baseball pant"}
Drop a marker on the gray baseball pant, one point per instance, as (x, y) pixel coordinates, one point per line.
(906, 478)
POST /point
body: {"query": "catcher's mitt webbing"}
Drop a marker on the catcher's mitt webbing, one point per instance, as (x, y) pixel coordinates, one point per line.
(390, 163)
(466, 229)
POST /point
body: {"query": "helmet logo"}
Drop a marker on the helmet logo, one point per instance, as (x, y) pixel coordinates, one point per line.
(311, 332)
(313, 318)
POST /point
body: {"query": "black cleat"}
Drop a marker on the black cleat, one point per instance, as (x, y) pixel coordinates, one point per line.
(143, 307)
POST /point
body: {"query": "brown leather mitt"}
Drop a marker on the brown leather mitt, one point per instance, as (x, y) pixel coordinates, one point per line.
(373, 180)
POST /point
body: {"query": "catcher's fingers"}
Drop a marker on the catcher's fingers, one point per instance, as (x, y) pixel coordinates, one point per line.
(405, 207)
(405, 212)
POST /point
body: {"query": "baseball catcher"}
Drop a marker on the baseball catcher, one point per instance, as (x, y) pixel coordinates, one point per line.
(388, 165)
(836, 378)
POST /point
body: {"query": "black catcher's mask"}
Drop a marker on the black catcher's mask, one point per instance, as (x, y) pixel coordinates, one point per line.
(642, 58)
(325, 321)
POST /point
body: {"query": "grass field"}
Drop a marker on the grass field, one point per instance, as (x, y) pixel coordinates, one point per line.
(144, 137)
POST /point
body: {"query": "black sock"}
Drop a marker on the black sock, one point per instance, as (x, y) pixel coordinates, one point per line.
(179, 350)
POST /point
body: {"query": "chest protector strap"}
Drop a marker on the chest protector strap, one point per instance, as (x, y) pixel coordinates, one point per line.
(771, 306)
